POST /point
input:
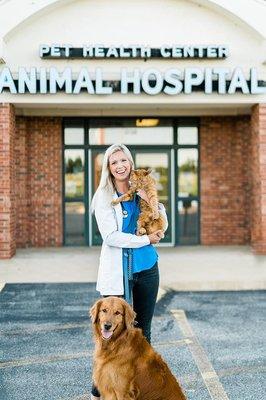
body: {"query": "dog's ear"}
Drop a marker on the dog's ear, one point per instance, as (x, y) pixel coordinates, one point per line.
(95, 310)
(130, 316)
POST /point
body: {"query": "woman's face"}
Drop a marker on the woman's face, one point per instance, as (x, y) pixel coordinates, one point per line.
(120, 166)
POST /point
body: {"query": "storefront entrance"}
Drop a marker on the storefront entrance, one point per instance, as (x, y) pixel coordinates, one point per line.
(169, 146)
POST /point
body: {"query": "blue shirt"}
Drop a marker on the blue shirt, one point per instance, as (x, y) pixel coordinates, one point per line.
(144, 257)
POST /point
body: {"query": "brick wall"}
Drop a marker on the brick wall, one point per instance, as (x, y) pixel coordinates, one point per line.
(233, 180)
(258, 171)
(38, 181)
(7, 179)
(22, 199)
(225, 180)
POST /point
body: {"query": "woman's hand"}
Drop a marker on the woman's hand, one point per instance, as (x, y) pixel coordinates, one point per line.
(155, 237)
(141, 193)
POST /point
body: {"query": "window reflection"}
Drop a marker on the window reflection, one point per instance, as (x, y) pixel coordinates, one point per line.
(187, 135)
(187, 172)
(188, 221)
(97, 162)
(74, 135)
(131, 131)
(97, 169)
(157, 135)
(158, 162)
(74, 173)
(74, 223)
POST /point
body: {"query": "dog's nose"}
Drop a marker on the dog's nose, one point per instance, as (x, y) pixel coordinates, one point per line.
(107, 326)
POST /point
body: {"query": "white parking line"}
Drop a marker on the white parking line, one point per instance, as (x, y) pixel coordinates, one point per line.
(2, 285)
(44, 360)
(31, 329)
(205, 367)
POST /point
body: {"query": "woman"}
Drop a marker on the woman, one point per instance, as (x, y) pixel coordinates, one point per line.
(117, 225)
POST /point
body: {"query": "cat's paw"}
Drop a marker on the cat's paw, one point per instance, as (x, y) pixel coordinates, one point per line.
(141, 231)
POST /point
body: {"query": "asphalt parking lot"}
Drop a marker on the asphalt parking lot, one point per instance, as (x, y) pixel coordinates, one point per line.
(214, 342)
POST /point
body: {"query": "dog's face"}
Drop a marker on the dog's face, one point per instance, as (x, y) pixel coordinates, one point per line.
(111, 316)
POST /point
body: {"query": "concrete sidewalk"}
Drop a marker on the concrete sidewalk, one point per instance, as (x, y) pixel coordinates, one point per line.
(181, 268)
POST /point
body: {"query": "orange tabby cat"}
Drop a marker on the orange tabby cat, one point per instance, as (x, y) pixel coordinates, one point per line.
(150, 220)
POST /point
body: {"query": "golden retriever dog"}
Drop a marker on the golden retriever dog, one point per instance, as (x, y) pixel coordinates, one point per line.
(126, 367)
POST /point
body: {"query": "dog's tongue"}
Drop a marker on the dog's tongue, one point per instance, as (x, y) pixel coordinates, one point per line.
(106, 334)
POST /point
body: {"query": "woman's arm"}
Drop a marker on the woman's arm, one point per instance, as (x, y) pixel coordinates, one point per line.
(107, 224)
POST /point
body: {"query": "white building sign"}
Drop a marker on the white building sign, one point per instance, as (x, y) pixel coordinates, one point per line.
(151, 81)
(136, 51)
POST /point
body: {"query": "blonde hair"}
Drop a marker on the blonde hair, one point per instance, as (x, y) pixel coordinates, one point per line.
(106, 185)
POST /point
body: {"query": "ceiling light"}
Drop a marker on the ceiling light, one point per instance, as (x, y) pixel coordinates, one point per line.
(147, 122)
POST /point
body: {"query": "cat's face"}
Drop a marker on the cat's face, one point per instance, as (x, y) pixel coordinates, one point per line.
(140, 177)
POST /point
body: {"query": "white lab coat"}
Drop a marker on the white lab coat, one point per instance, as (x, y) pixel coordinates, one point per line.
(110, 221)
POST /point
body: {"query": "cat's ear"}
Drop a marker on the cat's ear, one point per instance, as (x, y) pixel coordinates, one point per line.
(148, 171)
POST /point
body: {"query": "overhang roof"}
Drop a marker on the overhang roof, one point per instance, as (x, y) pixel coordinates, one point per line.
(15, 13)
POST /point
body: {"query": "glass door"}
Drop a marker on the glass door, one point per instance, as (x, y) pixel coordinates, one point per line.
(145, 138)
(160, 163)
(74, 197)
(170, 147)
(187, 186)
(75, 187)
(96, 169)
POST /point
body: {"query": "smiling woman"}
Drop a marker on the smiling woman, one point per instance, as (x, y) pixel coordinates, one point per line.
(120, 168)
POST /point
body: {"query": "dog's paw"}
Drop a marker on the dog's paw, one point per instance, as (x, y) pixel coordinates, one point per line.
(114, 202)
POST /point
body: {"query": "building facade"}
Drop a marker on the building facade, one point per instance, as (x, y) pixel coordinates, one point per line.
(182, 83)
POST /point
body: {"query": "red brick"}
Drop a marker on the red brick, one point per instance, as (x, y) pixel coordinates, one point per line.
(7, 181)
(38, 182)
(224, 177)
(258, 173)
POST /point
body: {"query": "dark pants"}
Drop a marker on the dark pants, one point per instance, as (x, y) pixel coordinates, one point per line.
(145, 286)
